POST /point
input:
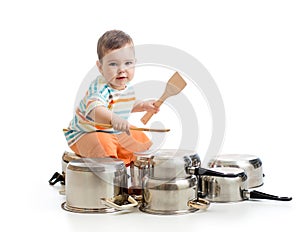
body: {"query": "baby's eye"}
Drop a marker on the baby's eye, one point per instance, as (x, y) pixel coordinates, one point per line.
(113, 64)
(129, 63)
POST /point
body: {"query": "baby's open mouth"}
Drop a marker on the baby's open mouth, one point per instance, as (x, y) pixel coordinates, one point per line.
(120, 78)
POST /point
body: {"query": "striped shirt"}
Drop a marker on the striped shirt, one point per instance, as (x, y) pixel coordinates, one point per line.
(99, 93)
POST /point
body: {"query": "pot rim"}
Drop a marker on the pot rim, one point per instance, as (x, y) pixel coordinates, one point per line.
(106, 164)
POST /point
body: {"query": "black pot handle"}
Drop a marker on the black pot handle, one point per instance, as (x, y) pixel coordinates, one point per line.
(260, 195)
(202, 171)
(56, 178)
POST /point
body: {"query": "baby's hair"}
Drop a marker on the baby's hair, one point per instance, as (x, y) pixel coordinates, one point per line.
(112, 40)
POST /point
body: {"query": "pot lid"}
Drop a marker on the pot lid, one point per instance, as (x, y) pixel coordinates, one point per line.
(106, 164)
(241, 157)
(173, 153)
(238, 160)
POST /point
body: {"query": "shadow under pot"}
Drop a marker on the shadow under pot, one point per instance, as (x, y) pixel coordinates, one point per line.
(96, 185)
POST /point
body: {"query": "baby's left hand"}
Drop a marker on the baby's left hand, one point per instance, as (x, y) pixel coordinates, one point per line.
(149, 106)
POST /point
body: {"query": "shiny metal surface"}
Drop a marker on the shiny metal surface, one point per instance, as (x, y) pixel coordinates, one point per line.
(96, 165)
(66, 158)
(172, 163)
(162, 164)
(251, 164)
(70, 208)
(139, 169)
(199, 203)
(171, 197)
(90, 179)
(130, 202)
(224, 189)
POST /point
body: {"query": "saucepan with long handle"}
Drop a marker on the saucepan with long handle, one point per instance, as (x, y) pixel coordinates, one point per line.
(232, 187)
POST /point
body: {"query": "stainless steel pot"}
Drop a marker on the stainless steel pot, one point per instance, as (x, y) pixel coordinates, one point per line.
(177, 196)
(161, 164)
(66, 158)
(57, 177)
(172, 163)
(231, 188)
(251, 164)
(96, 185)
(138, 170)
(169, 187)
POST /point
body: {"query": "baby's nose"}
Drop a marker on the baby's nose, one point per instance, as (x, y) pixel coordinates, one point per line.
(122, 68)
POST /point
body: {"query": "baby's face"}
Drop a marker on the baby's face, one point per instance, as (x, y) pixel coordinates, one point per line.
(118, 66)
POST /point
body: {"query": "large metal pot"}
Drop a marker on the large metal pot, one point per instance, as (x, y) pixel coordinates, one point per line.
(169, 187)
(231, 188)
(162, 164)
(251, 164)
(94, 185)
(175, 196)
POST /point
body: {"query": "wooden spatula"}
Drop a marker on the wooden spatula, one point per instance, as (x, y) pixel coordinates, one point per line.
(174, 86)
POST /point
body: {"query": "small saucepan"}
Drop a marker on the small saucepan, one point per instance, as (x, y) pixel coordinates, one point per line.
(232, 187)
(251, 164)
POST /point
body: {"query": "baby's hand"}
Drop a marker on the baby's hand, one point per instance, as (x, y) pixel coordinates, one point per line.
(120, 124)
(149, 106)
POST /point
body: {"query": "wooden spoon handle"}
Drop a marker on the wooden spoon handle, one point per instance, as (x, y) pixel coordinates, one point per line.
(149, 129)
(131, 128)
(147, 116)
(96, 124)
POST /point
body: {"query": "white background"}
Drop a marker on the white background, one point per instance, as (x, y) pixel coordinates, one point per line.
(251, 49)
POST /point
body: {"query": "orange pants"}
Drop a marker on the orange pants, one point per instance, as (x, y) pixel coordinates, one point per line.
(122, 146)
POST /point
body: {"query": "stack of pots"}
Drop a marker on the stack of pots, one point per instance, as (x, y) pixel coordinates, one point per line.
(167, 186)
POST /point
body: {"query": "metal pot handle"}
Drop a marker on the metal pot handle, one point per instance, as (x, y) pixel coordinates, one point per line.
(260, 195)
(198, 171)
(56, 178)
(110, 203)
(199, 203)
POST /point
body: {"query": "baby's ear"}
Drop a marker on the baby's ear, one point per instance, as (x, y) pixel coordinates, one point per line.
(99, 66)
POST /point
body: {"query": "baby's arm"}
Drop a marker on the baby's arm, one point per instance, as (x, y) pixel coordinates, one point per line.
(100, 114)
(148, 106)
